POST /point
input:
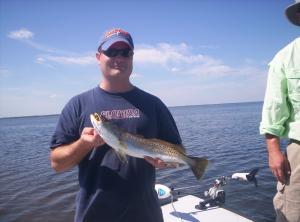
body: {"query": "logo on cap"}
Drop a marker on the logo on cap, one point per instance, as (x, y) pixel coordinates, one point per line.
(116, 32)
(113, 36)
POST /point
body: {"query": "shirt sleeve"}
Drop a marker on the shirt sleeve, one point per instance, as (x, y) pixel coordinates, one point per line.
(275, 109)
(67, 128)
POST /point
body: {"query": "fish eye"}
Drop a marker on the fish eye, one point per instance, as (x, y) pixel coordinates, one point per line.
(97, 117)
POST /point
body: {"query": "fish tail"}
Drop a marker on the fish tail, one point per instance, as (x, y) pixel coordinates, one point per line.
(198, 166)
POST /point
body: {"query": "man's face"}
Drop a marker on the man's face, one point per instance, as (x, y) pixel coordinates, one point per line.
(113, 64)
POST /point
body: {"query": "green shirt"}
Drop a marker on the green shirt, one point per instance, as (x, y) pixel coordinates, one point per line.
(281, 109)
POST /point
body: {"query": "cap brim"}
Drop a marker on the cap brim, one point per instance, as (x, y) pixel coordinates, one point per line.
(110, 42)
(291, 12)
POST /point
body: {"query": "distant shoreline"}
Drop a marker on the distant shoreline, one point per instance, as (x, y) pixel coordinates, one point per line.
(212, 104)
(30, 116)
(216, 104)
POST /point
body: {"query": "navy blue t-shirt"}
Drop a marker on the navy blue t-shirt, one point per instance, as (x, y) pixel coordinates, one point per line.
(110, 190)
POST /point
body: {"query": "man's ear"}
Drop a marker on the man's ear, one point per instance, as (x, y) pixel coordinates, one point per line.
(98, 57)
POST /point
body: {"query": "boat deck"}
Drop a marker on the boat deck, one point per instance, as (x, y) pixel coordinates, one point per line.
(186, 212)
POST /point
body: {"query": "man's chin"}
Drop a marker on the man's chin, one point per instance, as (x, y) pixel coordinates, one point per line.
(116, 73)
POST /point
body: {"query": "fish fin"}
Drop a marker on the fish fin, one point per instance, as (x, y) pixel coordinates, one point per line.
(121, 153)
(198, 167)
(122, 156)
(251, 176)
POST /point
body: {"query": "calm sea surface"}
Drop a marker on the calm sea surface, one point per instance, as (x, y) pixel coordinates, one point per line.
(227, 134)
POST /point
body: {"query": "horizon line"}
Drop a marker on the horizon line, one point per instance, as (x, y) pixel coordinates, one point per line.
(207, 104)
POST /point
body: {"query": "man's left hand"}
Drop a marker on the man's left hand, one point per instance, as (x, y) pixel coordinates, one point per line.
(157, 163)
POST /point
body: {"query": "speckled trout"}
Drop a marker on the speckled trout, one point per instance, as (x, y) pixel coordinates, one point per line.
(125, 143)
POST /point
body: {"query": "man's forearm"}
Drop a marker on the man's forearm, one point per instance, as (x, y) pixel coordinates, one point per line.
(67, 156)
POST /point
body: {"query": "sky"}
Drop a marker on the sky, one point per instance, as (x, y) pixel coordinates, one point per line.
(187, 52)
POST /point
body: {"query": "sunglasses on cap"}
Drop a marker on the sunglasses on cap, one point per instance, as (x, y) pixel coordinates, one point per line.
(115, 52)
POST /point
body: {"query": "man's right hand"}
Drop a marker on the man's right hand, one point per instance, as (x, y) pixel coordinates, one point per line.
(67, 156)
(91, 137)
(280, 166)
(278, 162)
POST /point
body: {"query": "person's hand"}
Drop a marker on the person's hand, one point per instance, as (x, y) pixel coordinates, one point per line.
(280, 166)
(158, 163)
(91, 137)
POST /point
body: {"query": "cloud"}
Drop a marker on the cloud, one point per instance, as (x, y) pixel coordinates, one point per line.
(67, 60)
(179, 59)
(208, 69)
(135, 75)
(21, 34)
(161, 54)
(4, 72)
(57, 56)
(55, 96)
(24, 35)
(40, 60)
(175, 58)
(34, 100)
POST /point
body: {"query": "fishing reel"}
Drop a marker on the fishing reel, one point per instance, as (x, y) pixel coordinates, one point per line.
(215, 195)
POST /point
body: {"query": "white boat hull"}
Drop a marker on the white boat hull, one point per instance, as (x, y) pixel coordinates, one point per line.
(186, 212)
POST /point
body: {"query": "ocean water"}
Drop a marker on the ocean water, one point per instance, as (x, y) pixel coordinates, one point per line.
(227, 134)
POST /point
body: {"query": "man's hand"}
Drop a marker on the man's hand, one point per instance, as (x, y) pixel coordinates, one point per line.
(67, 156)
(277, 160)
(280, 166)
(158, 163)
(91, 137)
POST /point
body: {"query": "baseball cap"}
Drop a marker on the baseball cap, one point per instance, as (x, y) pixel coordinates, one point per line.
(113, 36)
(291, 12)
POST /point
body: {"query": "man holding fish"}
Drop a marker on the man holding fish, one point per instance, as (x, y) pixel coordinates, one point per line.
(117, 169)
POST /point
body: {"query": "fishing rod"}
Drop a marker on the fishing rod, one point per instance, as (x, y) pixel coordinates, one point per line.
(215, 195)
